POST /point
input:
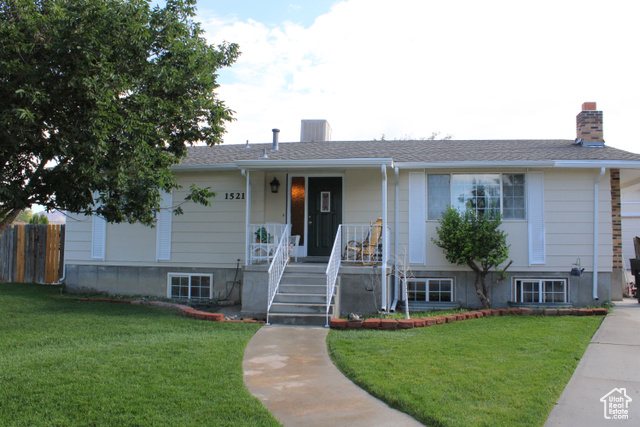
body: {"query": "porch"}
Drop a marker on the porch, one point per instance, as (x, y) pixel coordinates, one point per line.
(301, 295)
(311, 290)
(329, 216)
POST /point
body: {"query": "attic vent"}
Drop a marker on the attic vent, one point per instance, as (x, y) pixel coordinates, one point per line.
(315, 131)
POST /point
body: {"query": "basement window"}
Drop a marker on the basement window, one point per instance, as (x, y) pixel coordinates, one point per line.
(190, 286)
(541, 290)
(429, 289)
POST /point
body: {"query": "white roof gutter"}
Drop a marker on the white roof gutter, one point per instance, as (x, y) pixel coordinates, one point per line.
(619, 164)
(313, 164)
(196, 168)
(616, 164)
(473, 164)
(370, 163)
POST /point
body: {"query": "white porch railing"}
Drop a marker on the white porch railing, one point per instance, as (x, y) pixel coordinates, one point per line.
(364, 243)
(333, 266)
(263, 240)
(277, 266)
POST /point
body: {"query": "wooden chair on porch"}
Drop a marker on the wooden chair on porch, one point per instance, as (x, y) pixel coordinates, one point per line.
(366, 251)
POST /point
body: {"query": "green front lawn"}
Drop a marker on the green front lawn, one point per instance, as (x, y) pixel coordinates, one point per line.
(495, 371)
(66, 363)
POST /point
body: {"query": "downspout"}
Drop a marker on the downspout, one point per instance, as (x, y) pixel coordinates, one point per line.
(385, 244)
(247, 218)
(396, 244)
(595, 233)
(64, 275)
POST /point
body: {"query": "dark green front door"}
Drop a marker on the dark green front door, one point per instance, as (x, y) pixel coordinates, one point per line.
(325, 214)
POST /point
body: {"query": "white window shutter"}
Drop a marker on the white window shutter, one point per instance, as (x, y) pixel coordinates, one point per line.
(417, 215)
(98, 237)
(163, 226)
(537, 253)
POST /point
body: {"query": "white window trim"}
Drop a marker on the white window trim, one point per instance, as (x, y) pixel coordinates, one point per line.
(425, 280)
(190, 275)
(540, 280)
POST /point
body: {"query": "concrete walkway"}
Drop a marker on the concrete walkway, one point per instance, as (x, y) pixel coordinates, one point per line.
(289, 370)
(611, 361)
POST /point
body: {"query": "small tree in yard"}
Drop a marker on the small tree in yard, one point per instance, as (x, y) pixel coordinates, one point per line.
(39, 219)
(473, 239)
(403, 272)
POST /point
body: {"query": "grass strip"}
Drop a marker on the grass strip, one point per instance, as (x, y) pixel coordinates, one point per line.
(73, 363)
(495, 371)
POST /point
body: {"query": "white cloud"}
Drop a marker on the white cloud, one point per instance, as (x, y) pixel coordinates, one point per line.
(477, 70)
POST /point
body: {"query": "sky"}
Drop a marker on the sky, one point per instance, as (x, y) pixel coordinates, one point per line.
(404, 69)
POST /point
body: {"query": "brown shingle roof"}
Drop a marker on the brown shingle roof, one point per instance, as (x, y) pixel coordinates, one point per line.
(412, 151)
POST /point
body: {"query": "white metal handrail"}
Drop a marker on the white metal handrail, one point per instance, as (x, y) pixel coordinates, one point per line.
(332, 269)
(277, 266)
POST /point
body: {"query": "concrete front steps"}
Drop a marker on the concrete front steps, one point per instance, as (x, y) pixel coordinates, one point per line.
(301, 298)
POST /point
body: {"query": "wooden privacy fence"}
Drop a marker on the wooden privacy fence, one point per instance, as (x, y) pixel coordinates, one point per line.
(32, 253)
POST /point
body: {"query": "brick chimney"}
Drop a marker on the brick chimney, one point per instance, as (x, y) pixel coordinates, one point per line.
(589, 126)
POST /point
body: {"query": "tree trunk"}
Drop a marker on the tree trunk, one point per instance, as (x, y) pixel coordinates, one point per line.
(479, 282)
(11, 216)
(481, 290)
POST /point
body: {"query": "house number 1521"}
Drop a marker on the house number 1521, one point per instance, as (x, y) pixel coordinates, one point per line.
(234, 196)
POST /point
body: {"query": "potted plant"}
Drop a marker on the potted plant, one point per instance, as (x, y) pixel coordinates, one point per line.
(262, 236)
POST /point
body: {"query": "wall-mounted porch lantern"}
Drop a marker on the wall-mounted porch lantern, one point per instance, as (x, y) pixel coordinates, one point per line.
(275, 184)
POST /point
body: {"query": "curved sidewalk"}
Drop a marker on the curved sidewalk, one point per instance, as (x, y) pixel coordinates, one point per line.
(288, 368)
(611, 363)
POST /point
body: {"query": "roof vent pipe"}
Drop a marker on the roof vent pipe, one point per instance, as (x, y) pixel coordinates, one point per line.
(247, 144)
(275, 139)
(264, 154)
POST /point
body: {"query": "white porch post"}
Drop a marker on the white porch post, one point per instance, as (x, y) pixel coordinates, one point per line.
(396, 240)
(385, 243)
(247, 254)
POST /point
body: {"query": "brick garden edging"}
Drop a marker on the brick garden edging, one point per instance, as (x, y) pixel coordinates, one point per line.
(185, 310)
(393, 324)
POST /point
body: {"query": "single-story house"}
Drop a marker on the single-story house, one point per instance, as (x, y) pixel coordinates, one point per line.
(362, 211)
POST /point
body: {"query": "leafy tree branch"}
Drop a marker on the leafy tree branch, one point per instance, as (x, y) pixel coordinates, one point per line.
(100, 98)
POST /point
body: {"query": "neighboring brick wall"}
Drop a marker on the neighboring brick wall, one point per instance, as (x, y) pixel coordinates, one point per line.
(616, 218)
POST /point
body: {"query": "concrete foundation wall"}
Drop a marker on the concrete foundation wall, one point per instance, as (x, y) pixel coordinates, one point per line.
(501, 293)
(360, 290)
(359, 287)
(149, 281)
(255, 285)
